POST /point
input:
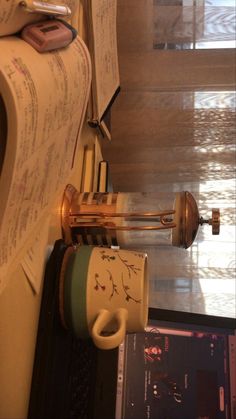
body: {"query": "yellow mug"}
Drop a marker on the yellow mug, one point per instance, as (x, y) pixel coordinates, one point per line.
(103, 293)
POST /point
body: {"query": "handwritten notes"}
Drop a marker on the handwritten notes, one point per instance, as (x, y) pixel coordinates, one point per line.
(45, 96)
(34, 260)
(102, 38)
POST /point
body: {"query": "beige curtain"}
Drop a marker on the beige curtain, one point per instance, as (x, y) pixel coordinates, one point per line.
(174, 129)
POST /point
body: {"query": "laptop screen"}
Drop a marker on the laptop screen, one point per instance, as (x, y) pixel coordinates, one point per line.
(178, 370)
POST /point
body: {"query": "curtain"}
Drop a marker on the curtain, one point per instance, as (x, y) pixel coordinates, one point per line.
(174, 129)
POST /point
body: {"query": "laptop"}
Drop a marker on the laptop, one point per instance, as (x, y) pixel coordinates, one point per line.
(183, 366)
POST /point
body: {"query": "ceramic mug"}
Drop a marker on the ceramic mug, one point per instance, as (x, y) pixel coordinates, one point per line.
(103, 293)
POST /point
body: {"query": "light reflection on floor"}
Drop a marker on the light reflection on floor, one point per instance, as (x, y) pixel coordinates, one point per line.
(217, 302)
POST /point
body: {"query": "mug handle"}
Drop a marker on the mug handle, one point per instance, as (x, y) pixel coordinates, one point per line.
(115, 339)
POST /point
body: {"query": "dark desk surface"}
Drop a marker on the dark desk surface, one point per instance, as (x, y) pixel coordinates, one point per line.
(63, 375)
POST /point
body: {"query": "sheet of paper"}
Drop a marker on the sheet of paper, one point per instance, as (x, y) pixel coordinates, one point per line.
(45, 96)
(102, 38)
(33, 263)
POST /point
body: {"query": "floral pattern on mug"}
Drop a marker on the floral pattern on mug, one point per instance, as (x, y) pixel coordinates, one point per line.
(118, 284)
(98, 284)
(130, 267)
